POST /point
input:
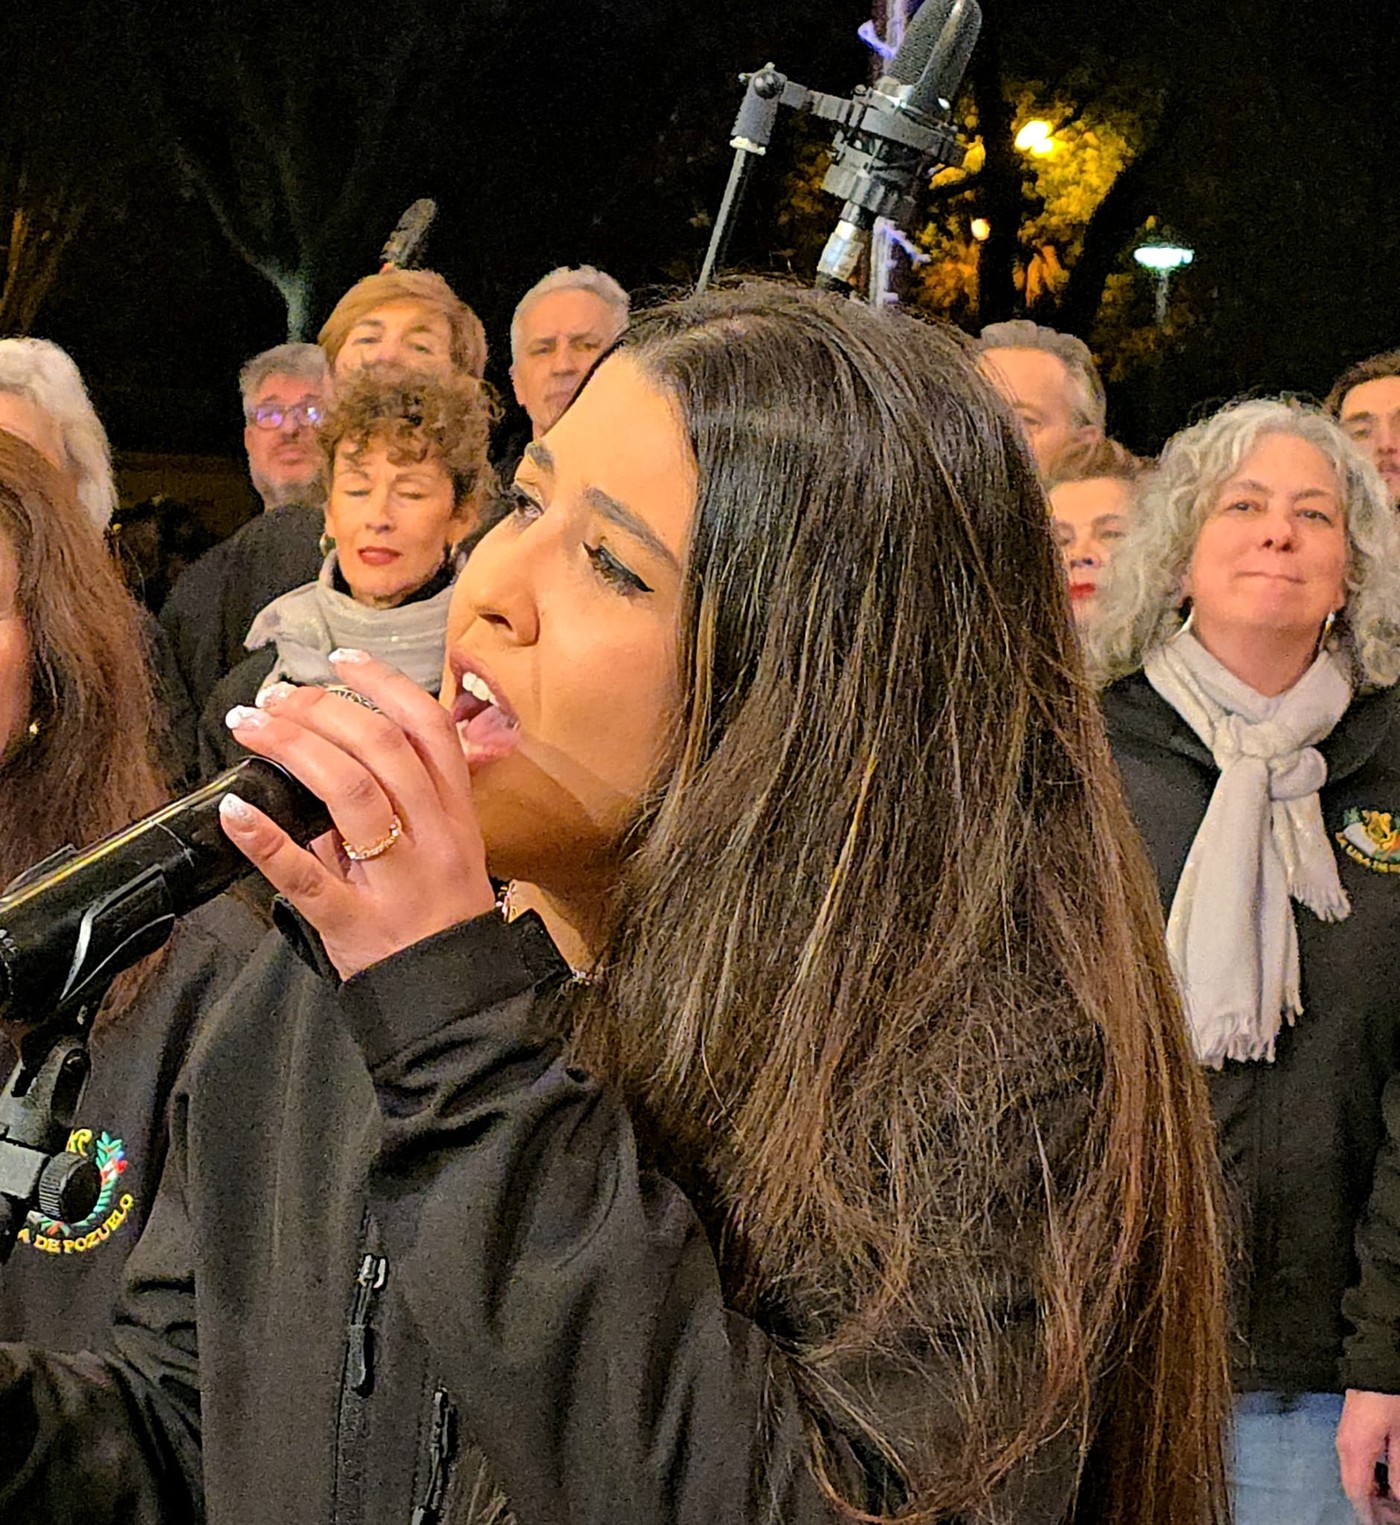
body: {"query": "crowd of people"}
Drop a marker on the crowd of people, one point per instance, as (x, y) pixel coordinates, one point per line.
(845, 979)
(1239, 604)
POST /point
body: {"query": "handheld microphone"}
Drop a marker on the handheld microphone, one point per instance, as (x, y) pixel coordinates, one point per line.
(901, 128)
(404, 248)
(76, 920)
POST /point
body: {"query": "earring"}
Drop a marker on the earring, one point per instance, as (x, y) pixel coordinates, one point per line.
(326, 544)
(1327, 625)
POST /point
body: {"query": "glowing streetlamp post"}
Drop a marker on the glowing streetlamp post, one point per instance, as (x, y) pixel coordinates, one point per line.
(1163, 259)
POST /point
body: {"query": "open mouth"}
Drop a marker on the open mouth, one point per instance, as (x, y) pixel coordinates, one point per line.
(486, 727)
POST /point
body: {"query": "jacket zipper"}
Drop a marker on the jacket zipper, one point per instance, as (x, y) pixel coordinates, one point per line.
(441, 1446)
(369, 1283)
(356, 1381)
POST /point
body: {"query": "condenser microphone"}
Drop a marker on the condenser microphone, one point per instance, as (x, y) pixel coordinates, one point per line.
(901, 129)
(74, 921)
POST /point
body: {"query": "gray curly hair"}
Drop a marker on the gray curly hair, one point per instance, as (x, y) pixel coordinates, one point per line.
(1140, 603)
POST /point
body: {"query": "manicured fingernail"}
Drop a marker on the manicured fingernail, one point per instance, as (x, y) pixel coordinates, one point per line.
(245, 717)
(349, 654)
(237, 810)
(272, 696)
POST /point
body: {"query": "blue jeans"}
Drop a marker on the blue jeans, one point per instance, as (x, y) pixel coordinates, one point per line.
(1284, 1469)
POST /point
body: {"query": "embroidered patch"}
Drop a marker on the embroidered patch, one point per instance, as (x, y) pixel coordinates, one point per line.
(1372, 838)
(51, 1236)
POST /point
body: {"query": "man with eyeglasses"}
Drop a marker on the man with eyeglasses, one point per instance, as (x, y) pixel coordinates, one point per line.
(212, 603)
(284, 394)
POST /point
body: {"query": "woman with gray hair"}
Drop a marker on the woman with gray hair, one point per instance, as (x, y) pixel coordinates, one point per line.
(1250, 638)
(41, 390)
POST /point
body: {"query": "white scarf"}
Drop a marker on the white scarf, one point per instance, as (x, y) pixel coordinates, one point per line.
(314, 620)
(1231, 935)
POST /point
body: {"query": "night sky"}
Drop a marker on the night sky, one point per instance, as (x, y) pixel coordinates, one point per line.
(564, 133)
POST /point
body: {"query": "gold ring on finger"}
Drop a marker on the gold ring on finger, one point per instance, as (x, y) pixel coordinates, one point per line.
(363, 854)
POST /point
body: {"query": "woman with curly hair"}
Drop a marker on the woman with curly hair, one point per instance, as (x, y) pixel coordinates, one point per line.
(1250, 635)
(406, 462)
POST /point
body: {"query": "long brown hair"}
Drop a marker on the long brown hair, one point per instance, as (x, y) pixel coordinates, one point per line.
(887, 990)
(89, 767)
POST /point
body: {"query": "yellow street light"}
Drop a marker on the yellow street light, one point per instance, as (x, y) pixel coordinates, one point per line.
(1036, 137)
(981, 229)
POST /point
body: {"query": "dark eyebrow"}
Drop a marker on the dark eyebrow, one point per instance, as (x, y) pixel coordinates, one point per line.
(622, 516)
(605, 504)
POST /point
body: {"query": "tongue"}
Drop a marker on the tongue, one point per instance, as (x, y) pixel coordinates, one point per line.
(488, 724)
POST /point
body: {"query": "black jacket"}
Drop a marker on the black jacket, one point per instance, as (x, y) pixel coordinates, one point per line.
(213, 602)
(336, 1290)
(405, 1266)
(61, 1283)
(1302, 1138)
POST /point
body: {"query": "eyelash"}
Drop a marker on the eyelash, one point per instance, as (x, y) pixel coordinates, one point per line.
(526, 510)
(1317, 514)
(523, 506)
(612, 571)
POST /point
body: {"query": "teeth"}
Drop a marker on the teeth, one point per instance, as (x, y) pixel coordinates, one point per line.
(477, 688)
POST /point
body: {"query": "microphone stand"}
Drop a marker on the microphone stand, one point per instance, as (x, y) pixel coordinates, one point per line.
(41, 1099)
(753, 131)
(856, 174)
(37, 1111)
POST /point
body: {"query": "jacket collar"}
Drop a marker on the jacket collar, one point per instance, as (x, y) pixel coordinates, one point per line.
(1133, 708)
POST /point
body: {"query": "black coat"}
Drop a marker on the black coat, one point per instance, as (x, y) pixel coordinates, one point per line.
(61, 1283)
(1302, 1138)
(405, 1254)
(213, 602)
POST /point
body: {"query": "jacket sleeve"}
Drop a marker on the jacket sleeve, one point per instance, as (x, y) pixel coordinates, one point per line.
(571, 1297)
(1371, 1353)
(99, 1439)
